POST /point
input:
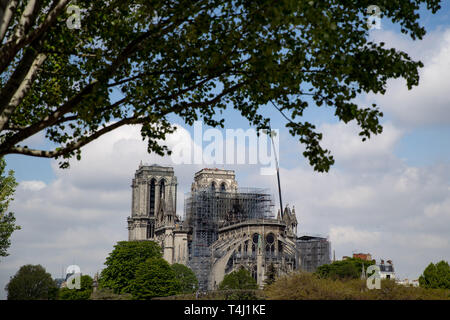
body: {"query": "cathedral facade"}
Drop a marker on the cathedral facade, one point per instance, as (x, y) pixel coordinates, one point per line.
(224, 227)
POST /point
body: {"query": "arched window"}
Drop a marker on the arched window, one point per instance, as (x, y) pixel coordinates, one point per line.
(255, 240)
(152, 197)
(270, 244)
(213, 186)
(162, 189)
(229, 265)
(223, 187)
(150, 231)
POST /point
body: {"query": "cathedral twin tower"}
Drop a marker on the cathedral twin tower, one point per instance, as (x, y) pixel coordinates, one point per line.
(153, 212)
(224, 228)
(153, 196)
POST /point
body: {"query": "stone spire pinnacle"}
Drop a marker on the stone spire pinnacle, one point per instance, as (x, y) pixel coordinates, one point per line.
(169, 200)
(169, 214)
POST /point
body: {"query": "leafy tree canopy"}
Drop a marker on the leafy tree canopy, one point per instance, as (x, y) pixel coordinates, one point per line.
(31, 282)
(308, 286)
(84, 293)
(345, 269)
(7, 220)
(270, 275)
(155, 278)
(122, 262)
(240, 279)
(186, 277)
(436, 276)
(192, 59)
(108, 294)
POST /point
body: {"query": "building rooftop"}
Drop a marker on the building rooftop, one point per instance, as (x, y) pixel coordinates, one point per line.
(154, 167)
(309, 238)
(215, 170)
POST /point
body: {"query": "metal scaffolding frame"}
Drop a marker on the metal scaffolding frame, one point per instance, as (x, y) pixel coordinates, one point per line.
(207, 210)
(314, 252)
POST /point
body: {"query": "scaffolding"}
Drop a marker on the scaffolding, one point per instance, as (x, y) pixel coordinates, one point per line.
(314, 252)
(208, 210)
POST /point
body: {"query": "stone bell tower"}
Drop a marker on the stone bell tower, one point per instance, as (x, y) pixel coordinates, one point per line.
(151, 188)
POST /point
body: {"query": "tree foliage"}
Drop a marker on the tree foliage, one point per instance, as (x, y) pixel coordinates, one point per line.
(123, 261)
(84, 293)
(240, 279)
(108, 294)
(186, 277)
(270, 275)
(308, 286)
(345, 269)
(436, 276)
(32, 282)
(7, 220)
(192, 59)
(155, 278)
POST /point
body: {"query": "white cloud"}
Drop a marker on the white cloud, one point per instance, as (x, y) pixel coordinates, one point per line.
(348, 148)
(372, 201)
(348, 144)
(351, 197)
(439, 210)
(343, 235)
(32, 185)
(428, 103)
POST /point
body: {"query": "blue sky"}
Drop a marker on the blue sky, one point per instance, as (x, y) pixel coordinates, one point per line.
(389, 196)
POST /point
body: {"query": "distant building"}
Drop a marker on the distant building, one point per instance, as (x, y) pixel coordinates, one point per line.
(363, 256)
(407, 282)
(314, 252)
(386, 270)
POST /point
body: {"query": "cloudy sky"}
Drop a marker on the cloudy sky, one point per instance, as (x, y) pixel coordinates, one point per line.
(389, 196)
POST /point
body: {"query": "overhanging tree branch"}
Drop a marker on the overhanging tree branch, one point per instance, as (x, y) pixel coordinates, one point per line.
(199, 57)
(9, 50)
(24, 86)
(78, 144)
(7, 9)
(28, 17)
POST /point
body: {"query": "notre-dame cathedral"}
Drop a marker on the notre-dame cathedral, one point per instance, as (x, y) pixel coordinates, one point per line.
(224, 227)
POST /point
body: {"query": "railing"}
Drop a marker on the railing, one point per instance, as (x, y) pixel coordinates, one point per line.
(267, 256)
(239, 256)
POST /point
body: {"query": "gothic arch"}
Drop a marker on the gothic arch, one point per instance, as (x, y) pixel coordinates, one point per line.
(270, 243)
(255, 239)
(162, 188)
(152, 195)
